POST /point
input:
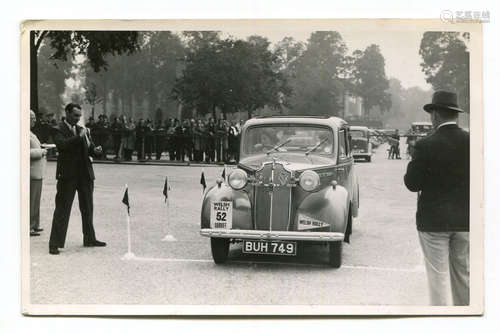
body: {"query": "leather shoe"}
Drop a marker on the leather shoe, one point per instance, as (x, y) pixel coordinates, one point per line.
(34, 234)
(53, 250)
(95, 243)
(38, 229)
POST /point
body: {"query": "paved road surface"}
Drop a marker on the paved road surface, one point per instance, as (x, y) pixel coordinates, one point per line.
(381, 266)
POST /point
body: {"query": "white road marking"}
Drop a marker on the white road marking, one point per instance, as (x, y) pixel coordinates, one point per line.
(374, 268)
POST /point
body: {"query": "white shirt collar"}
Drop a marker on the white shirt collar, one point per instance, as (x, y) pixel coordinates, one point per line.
(446, 123)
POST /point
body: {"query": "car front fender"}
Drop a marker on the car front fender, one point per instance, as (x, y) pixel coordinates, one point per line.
(242, 209)
(330, 205)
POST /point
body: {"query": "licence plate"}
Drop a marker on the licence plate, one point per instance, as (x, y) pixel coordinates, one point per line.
(270, 247)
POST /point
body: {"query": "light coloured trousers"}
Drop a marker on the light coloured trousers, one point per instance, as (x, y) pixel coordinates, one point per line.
(446, 257)
(35, 195)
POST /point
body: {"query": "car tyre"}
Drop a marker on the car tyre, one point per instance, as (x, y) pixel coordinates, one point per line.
(335, 254)
(220, 249)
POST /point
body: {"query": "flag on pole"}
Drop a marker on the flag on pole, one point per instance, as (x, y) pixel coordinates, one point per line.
(125, 200)
(202, 180)
(166, 188)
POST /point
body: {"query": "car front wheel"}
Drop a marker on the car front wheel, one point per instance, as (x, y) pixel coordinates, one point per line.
(220, 249)
(335, 254)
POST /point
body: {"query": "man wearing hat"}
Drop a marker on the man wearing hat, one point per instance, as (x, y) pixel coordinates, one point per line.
(439, 172)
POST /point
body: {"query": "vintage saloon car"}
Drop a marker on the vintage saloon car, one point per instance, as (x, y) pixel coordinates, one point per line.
(295, 183)
(361, 142)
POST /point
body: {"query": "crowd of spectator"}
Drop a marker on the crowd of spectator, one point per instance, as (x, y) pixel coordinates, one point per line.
(194, 140)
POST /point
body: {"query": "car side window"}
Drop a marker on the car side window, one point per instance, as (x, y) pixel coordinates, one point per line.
(342, 144)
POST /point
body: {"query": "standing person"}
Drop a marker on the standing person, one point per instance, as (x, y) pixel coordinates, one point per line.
(140, 134)
(394, 150)
(232, 139)
(210, 134)
(159, 139)
(116, 129)
(38, 161)
(74, 173)
(187, 139)
(148, 139)
(439, 171)
(128, 138)
(198, 140)
(180, 130)
(171, 144)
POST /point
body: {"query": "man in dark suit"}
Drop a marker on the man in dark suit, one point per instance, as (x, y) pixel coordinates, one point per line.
(74, 173)
(439, 171)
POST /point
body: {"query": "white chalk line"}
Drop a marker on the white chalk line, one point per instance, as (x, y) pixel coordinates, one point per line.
(374, 268)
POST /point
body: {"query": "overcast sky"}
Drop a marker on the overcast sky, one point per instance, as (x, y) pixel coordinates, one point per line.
(399, 48)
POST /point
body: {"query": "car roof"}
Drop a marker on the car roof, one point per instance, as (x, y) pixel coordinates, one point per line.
(421, 123)
(333, 122)
(359, 127)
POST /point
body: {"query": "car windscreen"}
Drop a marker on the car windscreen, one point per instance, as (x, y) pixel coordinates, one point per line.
(288, 138)
(357, 134)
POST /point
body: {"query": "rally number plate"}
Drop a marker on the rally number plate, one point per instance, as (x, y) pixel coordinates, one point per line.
(221, 215)
(270, 247)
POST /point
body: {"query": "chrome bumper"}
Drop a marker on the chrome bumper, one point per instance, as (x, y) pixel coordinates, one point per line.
(272, 235)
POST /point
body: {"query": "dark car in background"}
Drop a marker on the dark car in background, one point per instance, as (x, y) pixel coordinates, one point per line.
(361, 142)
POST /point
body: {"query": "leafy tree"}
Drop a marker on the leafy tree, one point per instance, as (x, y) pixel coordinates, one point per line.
(53, 74)
(230, 75)
(95, 45)
(406, 105)
(316, 74)
(369, 79)
(289, 52)
(446, 62)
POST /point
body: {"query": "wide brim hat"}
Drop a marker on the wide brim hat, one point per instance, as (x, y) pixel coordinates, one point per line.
(443, 100)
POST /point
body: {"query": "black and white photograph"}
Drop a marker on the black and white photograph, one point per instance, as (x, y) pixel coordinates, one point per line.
(253, 167)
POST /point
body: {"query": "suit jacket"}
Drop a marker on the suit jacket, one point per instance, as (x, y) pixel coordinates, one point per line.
(37, 161)
(74, 154)
(439, 170)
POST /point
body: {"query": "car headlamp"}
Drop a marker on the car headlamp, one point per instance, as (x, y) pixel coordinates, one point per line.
(309, 180)
(238, 179)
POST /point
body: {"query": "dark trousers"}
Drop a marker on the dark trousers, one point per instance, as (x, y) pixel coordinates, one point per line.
(148, 146)
(140, 148)
(64, 200)
(159, 147)
(116, 145)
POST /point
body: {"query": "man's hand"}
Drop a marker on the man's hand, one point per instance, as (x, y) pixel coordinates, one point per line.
(98, 150)
(44, 153)
(82, 133)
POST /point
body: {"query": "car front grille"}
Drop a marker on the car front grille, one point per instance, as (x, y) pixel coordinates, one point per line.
(272, 197)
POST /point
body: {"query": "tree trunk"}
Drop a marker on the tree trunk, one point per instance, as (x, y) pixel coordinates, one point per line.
(33, 74)
(249, 113)
(214, 112)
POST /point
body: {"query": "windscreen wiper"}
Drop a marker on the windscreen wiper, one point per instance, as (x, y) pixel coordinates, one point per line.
(316, 146)
(279, 145)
